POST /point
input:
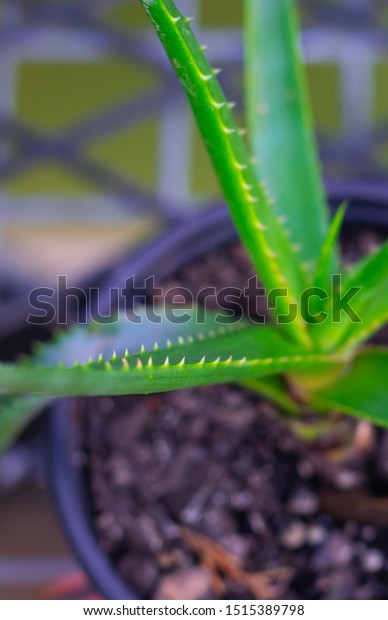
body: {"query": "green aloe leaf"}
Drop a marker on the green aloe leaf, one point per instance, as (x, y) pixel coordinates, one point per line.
(280, 123)
(249, 201)
(15, 413)
(322, 281)
(324, 267)
(363, 391)
(275, 389)
(370, 279)
(228, 354)
(89, 341)
(195, 352)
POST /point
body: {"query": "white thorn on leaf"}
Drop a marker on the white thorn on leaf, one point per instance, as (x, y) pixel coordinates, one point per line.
(169, 344)
(176, 19)
(243, 360)
(166, 361)
(218, 104)
(181, 340)
(182, 362)
(270, 253)
(228, 130)
(216, 70)
(231, 104)
(125, 363)
(217, 360)
(202, 360)
(260, 226)
(229, 360)
(240, 166)
(156, 347)
(150, 362)
(142, 349)
(138, 363)
(100, 358)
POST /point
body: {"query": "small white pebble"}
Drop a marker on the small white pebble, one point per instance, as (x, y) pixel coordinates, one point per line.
(373, 561)
(347, 479)
(257, 524)
(303, 503)
(343, 554)
(316, 534)
(294, 536)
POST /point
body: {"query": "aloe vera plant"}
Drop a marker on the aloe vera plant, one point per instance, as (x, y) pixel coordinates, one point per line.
(272, 184)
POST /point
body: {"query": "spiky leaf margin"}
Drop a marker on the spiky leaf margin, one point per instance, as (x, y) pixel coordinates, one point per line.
(249, 201)
(230, 354)
(280, 123)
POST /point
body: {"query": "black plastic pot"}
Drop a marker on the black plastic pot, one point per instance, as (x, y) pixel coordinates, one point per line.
(162, 258)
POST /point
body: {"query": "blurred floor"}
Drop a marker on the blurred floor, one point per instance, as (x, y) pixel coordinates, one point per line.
(33, 551)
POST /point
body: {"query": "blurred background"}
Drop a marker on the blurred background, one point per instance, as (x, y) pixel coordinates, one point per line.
(98, 152)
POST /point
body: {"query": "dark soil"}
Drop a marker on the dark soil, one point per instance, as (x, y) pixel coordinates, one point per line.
(199, 493)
